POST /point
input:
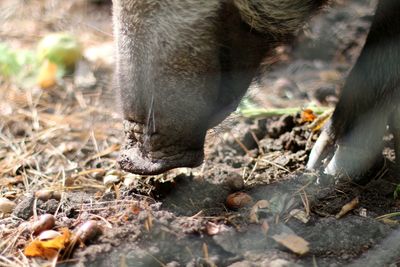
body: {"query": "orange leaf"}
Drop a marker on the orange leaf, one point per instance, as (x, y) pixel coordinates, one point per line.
(36, 249)
(307, 115)
(49, 248)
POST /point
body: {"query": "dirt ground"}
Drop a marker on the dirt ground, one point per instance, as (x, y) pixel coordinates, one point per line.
(251, 203)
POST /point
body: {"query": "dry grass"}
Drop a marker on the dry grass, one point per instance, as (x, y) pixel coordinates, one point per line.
(58, 139)
(64, 139)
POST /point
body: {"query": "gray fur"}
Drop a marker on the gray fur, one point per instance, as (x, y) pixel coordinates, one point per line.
(182, 66)
(275, 16)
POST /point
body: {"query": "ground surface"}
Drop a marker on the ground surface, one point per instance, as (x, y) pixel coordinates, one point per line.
(66, 140)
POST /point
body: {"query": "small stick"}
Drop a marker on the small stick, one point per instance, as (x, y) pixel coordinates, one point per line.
(245, 149)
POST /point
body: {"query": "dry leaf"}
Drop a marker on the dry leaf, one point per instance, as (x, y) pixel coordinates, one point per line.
(348, 207)
(49, 248)
(36, 249)
(293, 242)
(307, 115)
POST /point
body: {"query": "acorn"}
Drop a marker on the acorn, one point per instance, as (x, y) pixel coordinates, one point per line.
(45, 222)
(89, 231)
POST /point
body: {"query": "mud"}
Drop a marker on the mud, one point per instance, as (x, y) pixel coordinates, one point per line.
(185, 212)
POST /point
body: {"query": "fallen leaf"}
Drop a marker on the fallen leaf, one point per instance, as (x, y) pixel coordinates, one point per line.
(348, 207)
(48, 248)
(36, 249)
(293, 242)
(307, 115)
(58, 242)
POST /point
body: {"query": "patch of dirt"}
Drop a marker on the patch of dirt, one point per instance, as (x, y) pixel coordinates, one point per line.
(66, 140)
